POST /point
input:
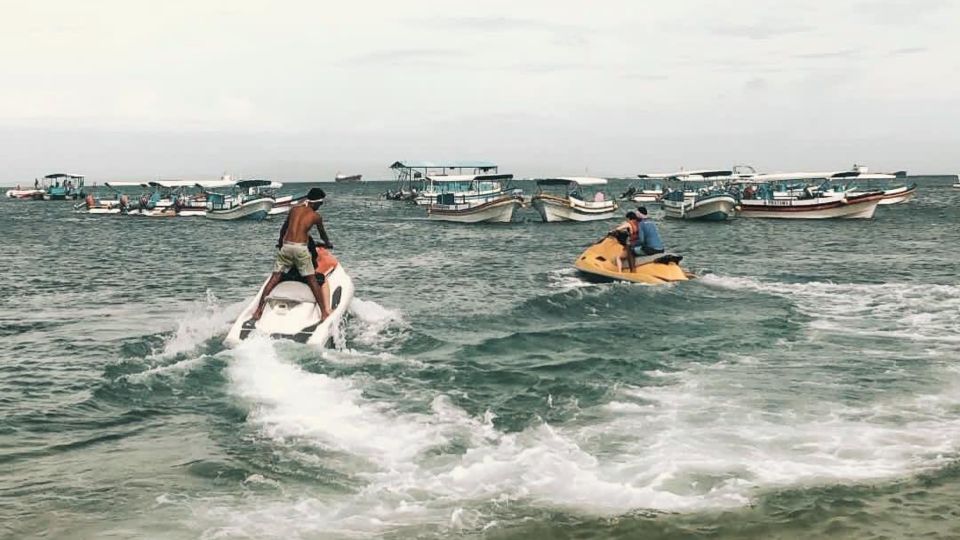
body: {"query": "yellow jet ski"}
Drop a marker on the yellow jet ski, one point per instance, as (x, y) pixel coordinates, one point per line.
(599, 263)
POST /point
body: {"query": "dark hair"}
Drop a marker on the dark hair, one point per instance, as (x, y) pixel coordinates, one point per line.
(642, 210)
(316, 194)
(631, 215)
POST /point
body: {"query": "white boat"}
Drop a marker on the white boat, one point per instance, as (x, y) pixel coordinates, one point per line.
(856, 181)
(820, 206)
(291, 311)
(282, 205)
(247, 202)
(710, 206)
(25, 194)
(649, 189)
(570, 203)
(957, 184)
(474, 199)
(412, 182)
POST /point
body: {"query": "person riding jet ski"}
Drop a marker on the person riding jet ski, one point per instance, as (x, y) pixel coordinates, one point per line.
(293, 251)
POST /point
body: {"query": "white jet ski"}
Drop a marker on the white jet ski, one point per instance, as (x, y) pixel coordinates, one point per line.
(291, 312)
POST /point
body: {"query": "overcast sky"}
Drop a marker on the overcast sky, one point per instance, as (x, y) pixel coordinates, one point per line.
(302, 89)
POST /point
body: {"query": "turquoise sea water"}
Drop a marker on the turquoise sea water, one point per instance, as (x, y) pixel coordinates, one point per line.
(807, 385)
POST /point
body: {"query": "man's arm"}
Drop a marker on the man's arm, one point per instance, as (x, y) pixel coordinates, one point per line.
(322, 231)
(283, 231)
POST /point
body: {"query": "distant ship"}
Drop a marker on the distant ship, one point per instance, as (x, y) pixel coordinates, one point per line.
(348, 178)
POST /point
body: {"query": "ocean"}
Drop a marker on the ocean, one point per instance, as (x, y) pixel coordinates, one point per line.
(806, 385)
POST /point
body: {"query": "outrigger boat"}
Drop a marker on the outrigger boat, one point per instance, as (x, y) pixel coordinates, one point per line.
(291, 311)
(563, 199)
(599, 263)
(412, 177)
(855, 181)
(473, 199)
(758, 200)
(245, 203)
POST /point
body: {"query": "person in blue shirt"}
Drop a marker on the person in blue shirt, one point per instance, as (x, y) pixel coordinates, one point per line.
(648, 237)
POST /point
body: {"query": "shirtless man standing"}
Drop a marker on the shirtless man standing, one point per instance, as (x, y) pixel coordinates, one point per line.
(294, 251)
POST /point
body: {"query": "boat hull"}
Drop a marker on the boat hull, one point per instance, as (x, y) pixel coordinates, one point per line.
(599, 263)
(256, 210)
(712, 208)
(25, 194)
(292, 313)
(898, 195)
(839, 207)
(282, 205)
(552, 210)
(495, 211)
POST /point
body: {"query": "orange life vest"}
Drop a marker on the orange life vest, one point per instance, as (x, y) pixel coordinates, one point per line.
(325, 261)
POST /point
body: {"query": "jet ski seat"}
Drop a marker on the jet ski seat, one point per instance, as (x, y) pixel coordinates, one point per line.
(290, 290)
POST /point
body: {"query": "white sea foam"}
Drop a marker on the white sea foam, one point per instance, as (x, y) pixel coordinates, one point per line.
(373, 321)
(913, 311)
(708, 436)
(203, 321)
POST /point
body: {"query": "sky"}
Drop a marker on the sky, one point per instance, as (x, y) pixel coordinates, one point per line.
(301, 90)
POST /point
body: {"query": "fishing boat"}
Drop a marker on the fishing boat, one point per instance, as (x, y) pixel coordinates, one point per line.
(957, 183)
(95, 203)
(25, 194)
(856, 181)
(412, 177)
(709, 205)
(648, 189)
(348, 178)
(564, 199)
(473, 199)
(244, 203)
(63, 186)
(757, 200)
(599, 263)
(282, 205)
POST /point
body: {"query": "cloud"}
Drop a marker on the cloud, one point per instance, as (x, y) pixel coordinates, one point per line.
(759, 31)
(843, 53)
(907, 50)
(898, 12)
(408, 57)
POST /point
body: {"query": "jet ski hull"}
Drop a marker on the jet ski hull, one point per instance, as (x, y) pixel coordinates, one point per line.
(292, 313)
(599, 263)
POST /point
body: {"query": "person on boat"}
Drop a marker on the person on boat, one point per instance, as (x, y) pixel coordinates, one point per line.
(599, 197)
(295, 253)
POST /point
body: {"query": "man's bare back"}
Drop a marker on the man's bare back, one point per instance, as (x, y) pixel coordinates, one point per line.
(299, 223)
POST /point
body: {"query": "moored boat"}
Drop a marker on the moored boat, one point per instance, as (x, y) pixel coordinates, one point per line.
(563, 199)
(473, 199)
(245, 203)
(63, 186)
(412, 182)
(25, 194)
(819, 206)
(715, 205)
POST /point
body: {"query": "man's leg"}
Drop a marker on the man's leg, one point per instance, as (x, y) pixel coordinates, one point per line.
(322, 297)
(271, 284)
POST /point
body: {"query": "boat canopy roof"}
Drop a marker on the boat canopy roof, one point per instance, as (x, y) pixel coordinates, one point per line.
(126, 184)
(191, 183)
(414, 164)
(258, 182)
(468, 177)
(565, 180)
(64, 175)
